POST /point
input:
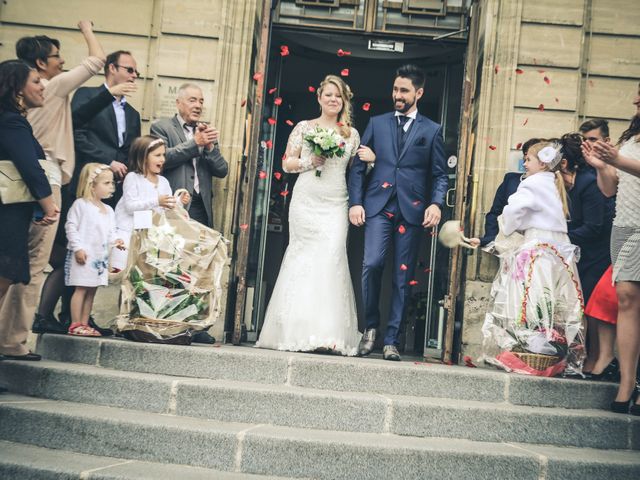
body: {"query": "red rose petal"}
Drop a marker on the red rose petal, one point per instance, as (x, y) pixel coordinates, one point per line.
(262, 175)
(401, 229)
(468, 362)
(342, 53)
(526, 120)
(366, 107)
(492, 147)
(416, 203)
(289, 122)
(257, 76)
(272, 90)
(344, 72)
(284, 157)
(519, 146)
(557, 100)
(413, 282)
(519, 71)
(540, 71)
(311, 89)
(269, 144)
(340, 124)
(385, 185)
(547, 81)
(244, 226)
(496, 69)
(243, 103)
(403, 267)
(427, 270)
(277, 101)
(271, 121)
(541, 107)
(277, 175)
(284, 193)
(284, 50)
(389, 214)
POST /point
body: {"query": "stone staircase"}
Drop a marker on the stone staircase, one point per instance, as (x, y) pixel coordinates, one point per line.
(112, 409)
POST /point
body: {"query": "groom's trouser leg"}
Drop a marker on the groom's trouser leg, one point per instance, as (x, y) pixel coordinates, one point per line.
(406, 246)
(378, 232)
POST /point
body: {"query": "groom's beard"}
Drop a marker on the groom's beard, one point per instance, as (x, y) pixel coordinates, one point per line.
(402, 106)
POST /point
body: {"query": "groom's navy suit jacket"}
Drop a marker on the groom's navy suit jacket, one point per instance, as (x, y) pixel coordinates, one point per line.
(417, 174)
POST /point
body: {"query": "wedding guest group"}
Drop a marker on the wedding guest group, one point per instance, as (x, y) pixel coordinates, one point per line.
(84, 156)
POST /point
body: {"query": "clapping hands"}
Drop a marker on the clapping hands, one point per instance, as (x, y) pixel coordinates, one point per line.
(599, 154)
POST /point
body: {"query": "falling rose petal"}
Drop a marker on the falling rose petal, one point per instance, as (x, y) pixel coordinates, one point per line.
(541, 71)
(547, 80)
(413, 282)
(519, 71)
(243, 102)
(389, 214)
(401, 229)
(526, 120)
(342, 53)
(496, 69)
(277, 175)
(468, 362)
(257, 76)
(269, 144)
(272, 90)
(244, 227)
(385, 185)
(284, 157)
(311, 89)
(262, 175)
(416, 203)
(557, 100)
(403, 267)
(284, 50)
(541, 107)
(366, 107)
(427, 270)
(492, 147)
(284, 193)
(340, 124)
(519, 146)
(289, 122)
(344, 72)
(277, 101)
(271, 121)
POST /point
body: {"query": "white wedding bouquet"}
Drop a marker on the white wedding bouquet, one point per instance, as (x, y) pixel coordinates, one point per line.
(325, 142)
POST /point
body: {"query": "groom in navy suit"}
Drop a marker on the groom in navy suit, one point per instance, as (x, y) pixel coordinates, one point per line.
(401, 196)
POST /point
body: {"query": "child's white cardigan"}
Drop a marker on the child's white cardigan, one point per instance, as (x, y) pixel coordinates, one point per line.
(536, 204)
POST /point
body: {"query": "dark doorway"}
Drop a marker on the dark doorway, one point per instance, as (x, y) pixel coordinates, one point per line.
(313, 55)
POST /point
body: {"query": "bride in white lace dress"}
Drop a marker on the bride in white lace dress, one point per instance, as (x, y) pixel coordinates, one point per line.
(313, 305)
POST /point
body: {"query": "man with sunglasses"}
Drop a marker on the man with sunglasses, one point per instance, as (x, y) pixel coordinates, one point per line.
(109, 122)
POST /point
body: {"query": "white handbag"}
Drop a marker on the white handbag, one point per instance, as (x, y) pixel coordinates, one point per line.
(12, 186)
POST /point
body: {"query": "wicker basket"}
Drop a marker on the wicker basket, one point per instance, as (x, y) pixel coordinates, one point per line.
(537, 361)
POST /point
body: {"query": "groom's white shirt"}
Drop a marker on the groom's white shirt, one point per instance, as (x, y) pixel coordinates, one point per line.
(412, 116)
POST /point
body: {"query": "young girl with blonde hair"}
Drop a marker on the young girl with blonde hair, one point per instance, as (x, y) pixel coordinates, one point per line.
(535, 324)
(91, 232)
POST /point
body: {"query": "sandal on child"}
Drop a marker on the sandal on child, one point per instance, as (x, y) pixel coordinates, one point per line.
(83, 330)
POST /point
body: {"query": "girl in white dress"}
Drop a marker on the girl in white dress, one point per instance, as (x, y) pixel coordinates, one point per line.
(91, 231)
(535, 323)
(313, 305)
(143, 189)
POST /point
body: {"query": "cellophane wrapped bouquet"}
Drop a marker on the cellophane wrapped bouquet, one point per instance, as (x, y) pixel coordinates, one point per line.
(172, 283)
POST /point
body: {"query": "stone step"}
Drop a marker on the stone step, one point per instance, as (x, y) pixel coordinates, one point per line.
(19, 461)
(328, 372)
(290, 452)
(303, 407)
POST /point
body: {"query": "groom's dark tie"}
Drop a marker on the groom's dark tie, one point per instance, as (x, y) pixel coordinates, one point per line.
(402, 135)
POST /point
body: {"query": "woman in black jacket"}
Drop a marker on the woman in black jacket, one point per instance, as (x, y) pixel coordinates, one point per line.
(20, 90)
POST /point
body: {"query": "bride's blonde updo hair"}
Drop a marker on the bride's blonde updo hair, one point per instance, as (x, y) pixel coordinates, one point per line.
(344, 117)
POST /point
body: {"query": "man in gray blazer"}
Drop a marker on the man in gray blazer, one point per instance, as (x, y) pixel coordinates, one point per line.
(192, 156)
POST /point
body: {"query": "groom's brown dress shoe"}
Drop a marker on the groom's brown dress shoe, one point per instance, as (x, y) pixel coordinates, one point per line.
(365, 347)
(390, 352)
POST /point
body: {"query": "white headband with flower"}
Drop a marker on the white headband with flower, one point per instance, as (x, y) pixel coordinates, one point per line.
(97, 171)
(550, 156)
